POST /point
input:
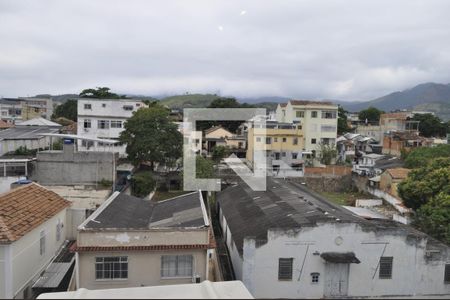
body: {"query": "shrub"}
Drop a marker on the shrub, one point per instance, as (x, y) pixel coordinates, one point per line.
(142, 184)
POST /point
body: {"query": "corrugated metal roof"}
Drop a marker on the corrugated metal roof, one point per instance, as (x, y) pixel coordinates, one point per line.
(53, 275)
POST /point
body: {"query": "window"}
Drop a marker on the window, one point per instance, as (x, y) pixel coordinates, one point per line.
(386, 267)
(314, 114)
(447, 273)
(328, 128)
(111, 268)
(176, 265)
(300, 114)
(327, 141)
(258, 139)
(283, 154)
(284, 140)
(116, 124)
(127, 107)
(295, 141)
(328, 114)
(103, 124)
(275, 140)
(315, 277)
(87, 123)
(87, 106)
(42, 243)
(138, 104)
(87, 144)
(103, 104)
(285, 268)
(268, 140)
(294, 155)
(313, 141)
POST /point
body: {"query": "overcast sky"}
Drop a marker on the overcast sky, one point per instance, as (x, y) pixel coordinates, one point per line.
(349, 50)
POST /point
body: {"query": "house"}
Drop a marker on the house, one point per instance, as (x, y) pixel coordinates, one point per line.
(132, 242)
(289, 242)
(349, 144)
(216, 136)
(282, 143)
(205, 290)
(32, 231)
(16, 110)
(104, 119)
(390, 179)
(396, 142)
(364, 164)
(30, 137)
(318, 120)
(370, 130)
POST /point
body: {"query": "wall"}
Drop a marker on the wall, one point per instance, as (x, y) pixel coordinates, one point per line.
(370, 131)
(219, 133)
(73, 168)
(3, 259)
(329, 170)
(75, 217)
(413, 273)
(27, 261)
(144, 269)
(5, 183)
(235, 257)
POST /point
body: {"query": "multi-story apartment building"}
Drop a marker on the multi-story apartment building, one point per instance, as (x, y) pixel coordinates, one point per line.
(283, 143)
(21, 109)
(104, 118)
(318, 120)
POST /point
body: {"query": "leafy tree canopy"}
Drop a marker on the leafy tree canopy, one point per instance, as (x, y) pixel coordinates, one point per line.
(66, 110)
(151, 137)
(342, 121)
(421, 156)
(430, 125)
(100, 93)
(326, 153)
(371, 114)
(204, 167)
(219, 152)
(142, 184)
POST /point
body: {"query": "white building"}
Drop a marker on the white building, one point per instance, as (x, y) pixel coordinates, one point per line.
(289, 242)
(104, 118)
(318, 120)
(32, 231)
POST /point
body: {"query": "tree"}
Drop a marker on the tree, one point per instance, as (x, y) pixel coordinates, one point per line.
(204, 167)
(219, 152)
(370, 114)
(424, 183)
(100, 93)
(342, 121)
(430, 125)
(151, 137)
(142, 184)
(66, 110)
(434, 217)
(327, 153)
(421, 156)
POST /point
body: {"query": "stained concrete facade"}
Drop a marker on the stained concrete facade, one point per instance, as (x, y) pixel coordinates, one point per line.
(71, 167)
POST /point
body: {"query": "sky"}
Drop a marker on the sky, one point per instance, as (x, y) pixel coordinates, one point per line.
(319, 49)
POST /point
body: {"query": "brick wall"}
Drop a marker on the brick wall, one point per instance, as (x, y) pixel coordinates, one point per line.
(328, 170)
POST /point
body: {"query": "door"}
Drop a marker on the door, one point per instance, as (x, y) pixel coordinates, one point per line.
(336, 280)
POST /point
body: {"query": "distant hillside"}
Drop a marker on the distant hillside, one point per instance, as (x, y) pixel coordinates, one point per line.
(422, 94)
(442, 110)
(191, 100)
(59, 98)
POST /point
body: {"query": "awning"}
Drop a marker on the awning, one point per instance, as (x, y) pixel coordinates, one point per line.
(340, 257)
(53, 276)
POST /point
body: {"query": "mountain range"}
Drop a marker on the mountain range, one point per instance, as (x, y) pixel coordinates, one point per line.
(433, 97)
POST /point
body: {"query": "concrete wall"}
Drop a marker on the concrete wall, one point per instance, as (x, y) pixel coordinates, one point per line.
(413, 273)
(74, 218)
(235, 257)
(31, 144)
(144, 269)
(5, 183)
(71, 168)
(3, 259)
(27, 262)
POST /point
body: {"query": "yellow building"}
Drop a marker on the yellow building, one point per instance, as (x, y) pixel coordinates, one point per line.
(283, 144)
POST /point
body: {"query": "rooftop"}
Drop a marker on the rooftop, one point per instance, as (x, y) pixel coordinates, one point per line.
(309, 102)
(204, 290)
(398, 173)
(122, 211)
(26, 132)
(25, 208)
(287, 205)
(39, 122)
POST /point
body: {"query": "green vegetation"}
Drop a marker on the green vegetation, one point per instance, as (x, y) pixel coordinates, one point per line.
(422, 156)
(189, 100)
(427, 190)
(219, 152)
(164, 195)
(431, 126)
(105, 183)
(370, 114)
(22, 150)
(58, 145)
(326, 153)
(142, 184)
(66, 110)
(204, 167)
(151, 137)
(342, 121)
(344, 198)
(100, 93)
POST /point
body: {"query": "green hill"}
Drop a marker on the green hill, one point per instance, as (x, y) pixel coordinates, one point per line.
(191, 100)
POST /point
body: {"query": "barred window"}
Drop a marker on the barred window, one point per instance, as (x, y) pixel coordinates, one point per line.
(285, 268)
(103, 124)
(176, 266)
(295, 141)
(386, 267)
(328, 128)
(87, 106)
(329, 114)
(300, 114)
(315, 277)
(111, 268)
(314, 114)
(447, 273)
(116, 124)
(87, 123)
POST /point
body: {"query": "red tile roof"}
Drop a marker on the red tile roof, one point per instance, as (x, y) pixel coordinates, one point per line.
(25, 208)
(307, 102)
(4, 125)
